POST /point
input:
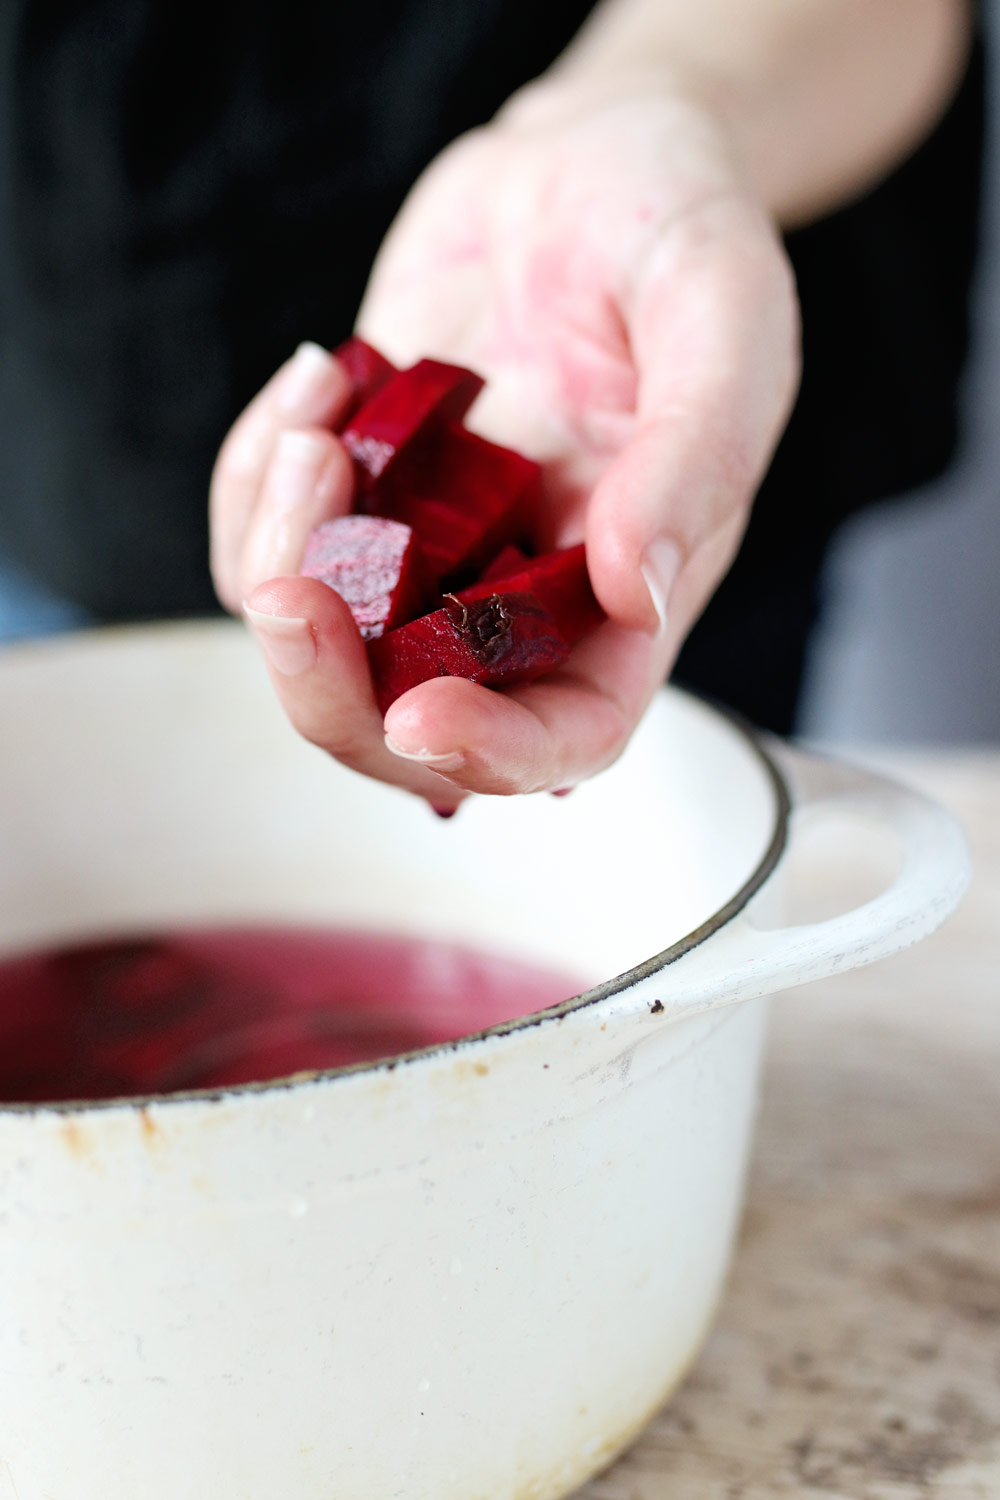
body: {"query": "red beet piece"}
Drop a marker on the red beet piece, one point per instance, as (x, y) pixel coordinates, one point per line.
(560, 583)
(375, 566)
(463, 496)
(509, 559)
(498, 641)
(369, 371)
(404, 409)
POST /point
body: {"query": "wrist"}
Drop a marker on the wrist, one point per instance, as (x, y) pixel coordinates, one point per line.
(816, 106)
(566, 94)
(656, 114)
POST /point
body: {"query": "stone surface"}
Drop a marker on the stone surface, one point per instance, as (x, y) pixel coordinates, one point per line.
(857, 1351)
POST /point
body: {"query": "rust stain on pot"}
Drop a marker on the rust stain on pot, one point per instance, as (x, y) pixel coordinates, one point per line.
(463, 1073)
(152, 1134)
(75, 1141)
(80, 1145)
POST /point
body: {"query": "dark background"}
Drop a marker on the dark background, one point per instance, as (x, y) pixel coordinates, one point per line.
(190, 191)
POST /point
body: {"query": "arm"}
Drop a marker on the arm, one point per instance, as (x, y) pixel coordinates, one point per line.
(606, 253)
(822, 97)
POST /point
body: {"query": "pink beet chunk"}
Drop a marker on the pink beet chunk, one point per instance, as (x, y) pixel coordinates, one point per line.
(498, 641)
(374, 565)
(509, 559)
(368, 370)
(560, 583)
(409, 405)
(464, 497)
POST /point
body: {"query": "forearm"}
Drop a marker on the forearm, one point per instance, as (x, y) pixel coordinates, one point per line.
(821, 97)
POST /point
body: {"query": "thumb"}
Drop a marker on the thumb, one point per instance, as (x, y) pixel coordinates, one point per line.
(670, 504)
(713, 328)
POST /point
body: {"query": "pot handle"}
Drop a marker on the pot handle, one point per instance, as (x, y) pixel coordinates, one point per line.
(743, 960)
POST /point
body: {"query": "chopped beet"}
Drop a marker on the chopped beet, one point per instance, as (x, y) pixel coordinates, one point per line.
(438, 505)
(497, 641)
(509, 559)
(463, 496)
(409, 406)
(560, 583)
(369, 371)
(375, 566)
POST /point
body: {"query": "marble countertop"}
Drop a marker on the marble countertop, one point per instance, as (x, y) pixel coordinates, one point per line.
(857, 1351)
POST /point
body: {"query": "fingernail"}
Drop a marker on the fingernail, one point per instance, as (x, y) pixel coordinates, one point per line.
(562, 791)
(448, 762)
(300, 479)
(659, 566)
(296, 469)
(307, 372)
(443, 812)
(286, 641)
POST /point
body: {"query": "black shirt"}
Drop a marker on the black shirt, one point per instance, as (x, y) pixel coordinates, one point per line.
(188, 190)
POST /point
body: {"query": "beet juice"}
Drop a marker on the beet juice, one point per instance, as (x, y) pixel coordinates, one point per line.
(206, 1009)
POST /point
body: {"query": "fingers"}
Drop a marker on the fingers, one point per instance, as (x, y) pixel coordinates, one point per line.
(714, 329)
(319, 669)
(542, 736)
(308, 480)
(448, 737)
(308, 392)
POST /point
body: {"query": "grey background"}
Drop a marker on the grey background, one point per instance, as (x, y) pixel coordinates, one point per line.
(910, 648)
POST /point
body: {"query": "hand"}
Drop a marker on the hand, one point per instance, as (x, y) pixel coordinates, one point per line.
(609, 272)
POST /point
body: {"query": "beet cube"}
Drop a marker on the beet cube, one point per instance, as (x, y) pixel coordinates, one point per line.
(438, 504)
(560, 582)
(369, 371)
(509, 559)
(375, 566)
(404, 409)
(463, 496)
(498, 641)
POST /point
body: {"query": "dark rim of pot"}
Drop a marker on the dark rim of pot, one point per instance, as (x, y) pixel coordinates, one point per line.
(603, 991)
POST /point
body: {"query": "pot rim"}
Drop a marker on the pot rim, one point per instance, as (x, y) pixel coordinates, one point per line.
(553, 1013)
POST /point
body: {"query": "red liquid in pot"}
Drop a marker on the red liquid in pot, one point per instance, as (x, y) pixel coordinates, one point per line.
(207, 1009)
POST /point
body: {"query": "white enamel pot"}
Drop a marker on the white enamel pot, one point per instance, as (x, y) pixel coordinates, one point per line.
(469, 1275)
